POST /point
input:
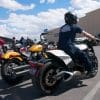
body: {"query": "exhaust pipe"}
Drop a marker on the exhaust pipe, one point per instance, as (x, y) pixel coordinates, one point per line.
(67, 76)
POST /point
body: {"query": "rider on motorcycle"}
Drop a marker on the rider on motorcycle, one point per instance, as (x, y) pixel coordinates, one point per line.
(67, 36)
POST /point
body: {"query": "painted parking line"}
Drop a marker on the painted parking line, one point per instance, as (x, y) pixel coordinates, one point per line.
(92, 93)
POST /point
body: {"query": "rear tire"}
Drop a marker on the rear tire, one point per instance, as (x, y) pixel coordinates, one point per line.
(45, 82)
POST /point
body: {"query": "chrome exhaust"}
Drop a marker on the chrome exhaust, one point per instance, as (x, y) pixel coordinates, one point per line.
(70, 75)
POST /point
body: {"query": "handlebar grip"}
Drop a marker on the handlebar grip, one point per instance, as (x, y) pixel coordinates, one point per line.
(97, 39)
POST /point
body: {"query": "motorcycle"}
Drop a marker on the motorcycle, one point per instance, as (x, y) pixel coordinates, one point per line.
(16, 63)
(59, 66)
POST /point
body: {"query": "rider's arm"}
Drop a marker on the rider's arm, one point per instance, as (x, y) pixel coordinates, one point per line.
(88, 35)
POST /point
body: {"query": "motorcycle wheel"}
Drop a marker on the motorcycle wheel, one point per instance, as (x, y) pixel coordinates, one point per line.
(95, 66)
(45, 81)
(8, 73)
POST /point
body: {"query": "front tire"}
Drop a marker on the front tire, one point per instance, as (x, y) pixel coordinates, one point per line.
(45, 81)
(8, 74)
(95, 65)
(94, 61)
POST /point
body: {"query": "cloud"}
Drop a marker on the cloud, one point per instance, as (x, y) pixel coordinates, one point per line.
(48, 1)
(3, 30)
(14, 5)
(42, 1)
(32, 25)
(82, 7)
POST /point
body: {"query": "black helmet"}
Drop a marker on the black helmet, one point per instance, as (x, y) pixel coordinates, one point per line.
(70, 18)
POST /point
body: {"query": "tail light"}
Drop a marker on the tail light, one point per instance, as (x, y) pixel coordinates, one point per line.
(32, 64)
(35, 64)
(34, 68)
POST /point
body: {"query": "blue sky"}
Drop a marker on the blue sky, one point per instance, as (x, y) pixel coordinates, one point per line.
(39, 7)
(29, 18)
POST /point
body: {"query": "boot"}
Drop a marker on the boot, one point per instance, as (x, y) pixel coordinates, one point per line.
(90, 73)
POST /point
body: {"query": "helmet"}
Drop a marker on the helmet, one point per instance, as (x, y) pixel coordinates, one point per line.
(70, 18)
(13, 37)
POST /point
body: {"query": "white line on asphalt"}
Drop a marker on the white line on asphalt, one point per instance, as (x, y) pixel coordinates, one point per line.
(92, 93)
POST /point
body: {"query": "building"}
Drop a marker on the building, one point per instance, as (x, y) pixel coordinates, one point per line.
(7, 40)
(90, 23)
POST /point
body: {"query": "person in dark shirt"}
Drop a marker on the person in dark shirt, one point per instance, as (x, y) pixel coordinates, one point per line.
(13, 43)
(66, 40)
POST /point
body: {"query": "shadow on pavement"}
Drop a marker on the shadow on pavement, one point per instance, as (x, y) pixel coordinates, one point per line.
(26, 91)
(64, 87)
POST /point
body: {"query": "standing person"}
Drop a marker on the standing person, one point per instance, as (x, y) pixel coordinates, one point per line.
(13, 43)
(67, 36)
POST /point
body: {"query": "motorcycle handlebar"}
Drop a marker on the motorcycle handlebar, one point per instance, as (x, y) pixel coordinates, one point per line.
(87, 40)
(97, 39)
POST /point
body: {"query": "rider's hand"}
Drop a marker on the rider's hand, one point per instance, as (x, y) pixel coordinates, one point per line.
(96, 40)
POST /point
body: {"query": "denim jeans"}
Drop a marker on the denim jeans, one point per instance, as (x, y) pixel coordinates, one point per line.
(76, 53)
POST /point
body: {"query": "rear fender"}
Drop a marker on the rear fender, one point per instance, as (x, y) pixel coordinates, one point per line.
(12, 55)
(59, 60)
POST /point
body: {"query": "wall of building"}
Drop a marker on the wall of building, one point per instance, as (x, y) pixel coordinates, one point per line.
(53, 35)
(90, 23)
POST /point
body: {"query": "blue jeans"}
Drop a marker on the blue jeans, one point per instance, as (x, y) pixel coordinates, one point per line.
(76, 53)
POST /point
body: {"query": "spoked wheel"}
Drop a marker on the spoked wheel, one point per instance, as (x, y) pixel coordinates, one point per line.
(49, 78)
(46, 81)
(9, 74)
(9, 71)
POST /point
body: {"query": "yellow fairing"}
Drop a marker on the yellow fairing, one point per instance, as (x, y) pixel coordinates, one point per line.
(36, 48)
(12, 54)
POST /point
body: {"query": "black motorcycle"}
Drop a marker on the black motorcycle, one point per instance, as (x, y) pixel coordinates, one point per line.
(49, 72)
